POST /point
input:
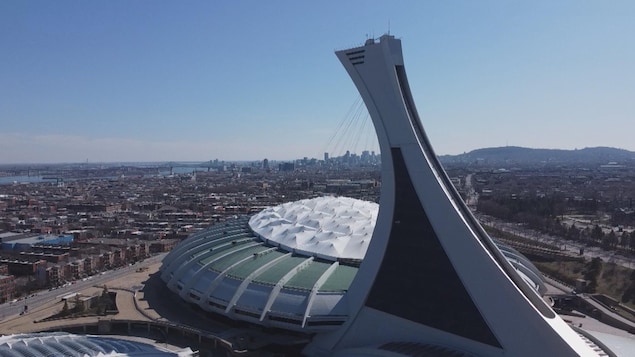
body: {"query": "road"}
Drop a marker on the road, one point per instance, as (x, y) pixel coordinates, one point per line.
(46, 296)
(564, 245)
(471, 199)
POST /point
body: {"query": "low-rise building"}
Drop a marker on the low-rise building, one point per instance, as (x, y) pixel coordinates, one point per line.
(7, 287)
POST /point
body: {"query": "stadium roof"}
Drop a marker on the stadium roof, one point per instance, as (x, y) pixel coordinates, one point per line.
(65, 344)
(278, 267)
(326, 227)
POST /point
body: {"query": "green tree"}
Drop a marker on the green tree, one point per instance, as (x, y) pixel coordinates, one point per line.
(573, 233)
(609, 241)
(585, 235)
(79, 307)
(591, 273)
(624, 240)
(65, 308)
(597, 234)
(104, 302)
(629, 293)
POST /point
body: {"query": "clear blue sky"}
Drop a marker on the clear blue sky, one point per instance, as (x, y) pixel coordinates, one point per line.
(122, 81)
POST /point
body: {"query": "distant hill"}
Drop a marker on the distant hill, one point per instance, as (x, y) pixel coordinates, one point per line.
(520, 155)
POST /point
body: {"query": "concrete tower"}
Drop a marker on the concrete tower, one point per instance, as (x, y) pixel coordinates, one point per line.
(431, 276)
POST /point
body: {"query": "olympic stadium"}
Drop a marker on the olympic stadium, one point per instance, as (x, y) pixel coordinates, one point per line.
(288, 266)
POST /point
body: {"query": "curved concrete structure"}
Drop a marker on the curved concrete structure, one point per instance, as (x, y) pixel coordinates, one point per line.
(273, 269)
(287, 266)
(432, 276)
(65, 344)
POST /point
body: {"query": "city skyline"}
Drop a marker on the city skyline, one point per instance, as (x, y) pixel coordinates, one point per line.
(147, 82)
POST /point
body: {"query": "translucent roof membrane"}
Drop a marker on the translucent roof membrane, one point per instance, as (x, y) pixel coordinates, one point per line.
(326, 227)
(65, 344)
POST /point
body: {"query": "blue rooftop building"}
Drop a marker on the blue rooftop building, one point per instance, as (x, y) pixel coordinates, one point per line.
(23, 244)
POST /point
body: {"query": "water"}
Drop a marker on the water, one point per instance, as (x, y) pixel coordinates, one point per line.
(5, 180)
(8, 180)
(181, 170)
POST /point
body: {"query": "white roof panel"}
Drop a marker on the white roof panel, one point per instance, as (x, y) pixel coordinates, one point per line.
(328, 227)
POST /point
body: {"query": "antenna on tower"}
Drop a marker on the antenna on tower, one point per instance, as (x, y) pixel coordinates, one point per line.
(388, 27)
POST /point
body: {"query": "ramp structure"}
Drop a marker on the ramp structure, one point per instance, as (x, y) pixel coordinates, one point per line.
(432, 279)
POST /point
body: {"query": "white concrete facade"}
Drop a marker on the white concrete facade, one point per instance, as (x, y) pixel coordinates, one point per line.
(421, 217)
